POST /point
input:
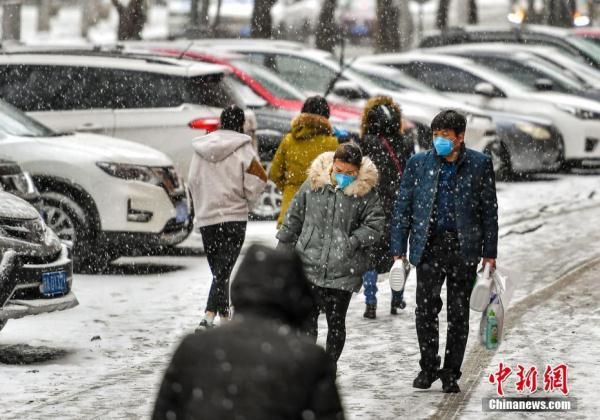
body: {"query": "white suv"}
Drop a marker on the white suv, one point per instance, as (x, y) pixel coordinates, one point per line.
(163, 103)
(108, 197)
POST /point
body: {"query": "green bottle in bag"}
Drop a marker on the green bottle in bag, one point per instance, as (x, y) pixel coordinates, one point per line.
(491, 330)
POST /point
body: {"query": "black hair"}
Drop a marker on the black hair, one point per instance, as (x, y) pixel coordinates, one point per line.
(316, 105)
(233, 118)
(384, 120)
(349, 153)
(449, 120)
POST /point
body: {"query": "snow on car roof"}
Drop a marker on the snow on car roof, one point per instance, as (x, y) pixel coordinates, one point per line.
(89, 58)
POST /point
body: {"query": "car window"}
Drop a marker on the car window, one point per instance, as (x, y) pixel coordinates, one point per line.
(45, 88)
(269, 80)
(526, 74)
(56, 88)
(442, 77)
(249, 97)
(304, 74)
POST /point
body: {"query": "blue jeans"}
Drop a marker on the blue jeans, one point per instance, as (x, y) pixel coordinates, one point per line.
(370, 286)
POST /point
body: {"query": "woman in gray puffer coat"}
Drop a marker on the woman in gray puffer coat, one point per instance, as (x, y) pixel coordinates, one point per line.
(333, 221)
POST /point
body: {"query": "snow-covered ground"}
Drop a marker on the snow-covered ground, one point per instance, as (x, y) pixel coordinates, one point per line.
(105, 358)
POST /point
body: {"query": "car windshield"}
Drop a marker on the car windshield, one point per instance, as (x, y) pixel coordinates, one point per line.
(17, 123)
(528, 70)
(590, 47)
(270, 81)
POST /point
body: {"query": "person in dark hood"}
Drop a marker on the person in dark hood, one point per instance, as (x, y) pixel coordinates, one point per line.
(383, 142)
(225, 176)
(258, 366)
(310, 136)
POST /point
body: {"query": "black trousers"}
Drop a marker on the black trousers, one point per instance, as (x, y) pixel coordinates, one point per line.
(334, 303)
(442, 261)
(222, 244)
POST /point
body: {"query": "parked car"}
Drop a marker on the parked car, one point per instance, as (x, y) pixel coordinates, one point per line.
(36, 272)
(564, 39)
(107, 197)
(577, 119)
(525, 67)
(144, 99)
(568, 65)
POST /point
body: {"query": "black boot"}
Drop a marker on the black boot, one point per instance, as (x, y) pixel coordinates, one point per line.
(396, 306)
(449, 382)
(370, 312)
(425, 379)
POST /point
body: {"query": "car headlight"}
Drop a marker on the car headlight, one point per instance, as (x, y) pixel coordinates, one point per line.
(21, 182)
(582, 114)
(535, 131)
(130, 172)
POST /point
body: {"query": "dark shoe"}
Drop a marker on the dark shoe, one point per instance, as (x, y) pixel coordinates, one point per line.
(396, 306)
(425, 379)
(450, 386)
(449, 382)
(370, 312)
(203, 326)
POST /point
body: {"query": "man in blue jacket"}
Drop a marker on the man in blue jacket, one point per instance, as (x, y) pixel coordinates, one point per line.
(447, 206)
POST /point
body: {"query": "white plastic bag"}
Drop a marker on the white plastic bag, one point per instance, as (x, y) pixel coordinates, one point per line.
(480, 296)
(398, 275)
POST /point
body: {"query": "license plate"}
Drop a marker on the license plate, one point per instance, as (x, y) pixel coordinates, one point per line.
(181, 211)
(55, 283)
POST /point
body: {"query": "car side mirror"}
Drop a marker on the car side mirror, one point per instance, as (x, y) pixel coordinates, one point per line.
(486, 89)
(348, 90)
(544, 85)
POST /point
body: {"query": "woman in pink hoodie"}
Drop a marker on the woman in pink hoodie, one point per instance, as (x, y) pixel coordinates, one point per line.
(225, 175)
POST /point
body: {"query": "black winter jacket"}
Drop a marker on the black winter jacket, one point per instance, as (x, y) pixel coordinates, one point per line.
(387, 189)
(258, 366)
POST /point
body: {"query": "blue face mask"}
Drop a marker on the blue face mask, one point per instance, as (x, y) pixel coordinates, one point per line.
(344, 180)
(443, 146)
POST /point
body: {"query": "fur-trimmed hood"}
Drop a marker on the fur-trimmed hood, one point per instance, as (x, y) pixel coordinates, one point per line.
(320, 175)
(376, 101)
(306, 125)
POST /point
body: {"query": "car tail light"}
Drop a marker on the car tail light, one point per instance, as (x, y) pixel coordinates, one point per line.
(208, 124)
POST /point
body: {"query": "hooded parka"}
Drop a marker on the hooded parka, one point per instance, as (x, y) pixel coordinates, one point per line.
(333, 229)
(222, 178)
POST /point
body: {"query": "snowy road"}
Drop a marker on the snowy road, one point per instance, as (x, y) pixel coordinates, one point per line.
(105, 358)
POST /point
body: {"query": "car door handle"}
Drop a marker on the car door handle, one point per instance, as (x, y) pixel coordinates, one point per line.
(89, 127)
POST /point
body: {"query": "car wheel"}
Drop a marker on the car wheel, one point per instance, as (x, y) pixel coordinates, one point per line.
(70, 222)
(500, 160)
(268, 206)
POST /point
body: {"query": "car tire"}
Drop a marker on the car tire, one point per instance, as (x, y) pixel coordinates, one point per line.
(501, 161)
(268, 206)
(71, 223)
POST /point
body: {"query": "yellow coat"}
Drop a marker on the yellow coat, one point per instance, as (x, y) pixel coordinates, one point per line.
(310, 136)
